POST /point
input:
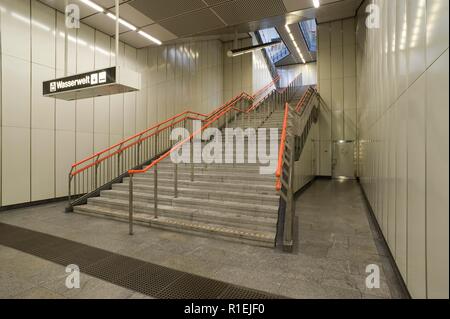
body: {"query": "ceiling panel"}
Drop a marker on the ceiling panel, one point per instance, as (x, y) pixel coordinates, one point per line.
(85, 10)
(132, 15)
(103, 23)
(60, 5)
(106, 3)
(214, 2)
(135, 40)
(295, 5)
(338, 10)
(241, 11)
(159, 32)
(162, 9)
(193, 23)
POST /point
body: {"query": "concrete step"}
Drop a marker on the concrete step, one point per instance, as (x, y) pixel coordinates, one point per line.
(144, 202)
(252, 237)
(202, 213)
(211, 176)
(228, 207)
(247, 169)
(246, 186)
(263, 198)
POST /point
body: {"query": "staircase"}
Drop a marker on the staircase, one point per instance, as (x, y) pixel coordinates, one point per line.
(227, 201)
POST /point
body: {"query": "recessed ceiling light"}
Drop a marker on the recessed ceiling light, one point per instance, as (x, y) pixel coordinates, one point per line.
(121, 21)
(93, 5)
(148, 36)
(316, 3)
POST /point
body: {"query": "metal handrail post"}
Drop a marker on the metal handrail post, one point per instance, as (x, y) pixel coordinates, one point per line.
(130, 206)
(155, 189)
(175, 190)
(192, 160)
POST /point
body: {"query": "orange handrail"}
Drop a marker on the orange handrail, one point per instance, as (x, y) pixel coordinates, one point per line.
(264, 88)
(160, 127)
(281, 151)
(179, 144)
(304, 97)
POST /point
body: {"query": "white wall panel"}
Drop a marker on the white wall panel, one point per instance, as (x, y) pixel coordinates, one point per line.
(15, 165)
(43, 34)
(416, 188)
(85, 115)
(437, 183)
(16, 28)
(15, 107)
(85, 49)
(403, 127)
(43, 164)
(65, 157)
(437, 29)
(129, 118)
(102, 53)
(401, 204)
(42, 108)
(101, 114)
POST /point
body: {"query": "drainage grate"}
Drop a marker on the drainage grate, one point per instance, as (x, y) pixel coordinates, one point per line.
(134, 274)
(193, 287)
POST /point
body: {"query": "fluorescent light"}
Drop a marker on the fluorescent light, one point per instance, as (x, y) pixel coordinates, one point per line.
(148, 36)
(287, 28)
(121, 21)
(93, 5)
(316, 3)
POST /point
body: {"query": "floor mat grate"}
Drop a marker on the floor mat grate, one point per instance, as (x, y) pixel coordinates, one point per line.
(131, 273)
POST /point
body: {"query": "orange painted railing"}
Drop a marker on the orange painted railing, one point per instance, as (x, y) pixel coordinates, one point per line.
(300, 105)
(224, 111)
(181, 143)
(160, 126)
(101, 168)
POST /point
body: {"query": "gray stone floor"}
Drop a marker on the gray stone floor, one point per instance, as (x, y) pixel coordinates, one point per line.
(335, 244)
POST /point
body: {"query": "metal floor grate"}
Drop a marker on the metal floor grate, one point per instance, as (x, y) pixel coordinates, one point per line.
(134, 274)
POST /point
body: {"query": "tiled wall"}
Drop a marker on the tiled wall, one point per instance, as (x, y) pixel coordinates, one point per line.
(337, 86)
(41, 137)
(403, 106)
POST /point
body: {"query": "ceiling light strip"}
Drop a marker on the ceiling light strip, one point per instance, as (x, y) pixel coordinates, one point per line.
(121, 21)
(295, 43)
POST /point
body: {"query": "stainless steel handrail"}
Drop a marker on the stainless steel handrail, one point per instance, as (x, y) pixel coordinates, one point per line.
(298, 126)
